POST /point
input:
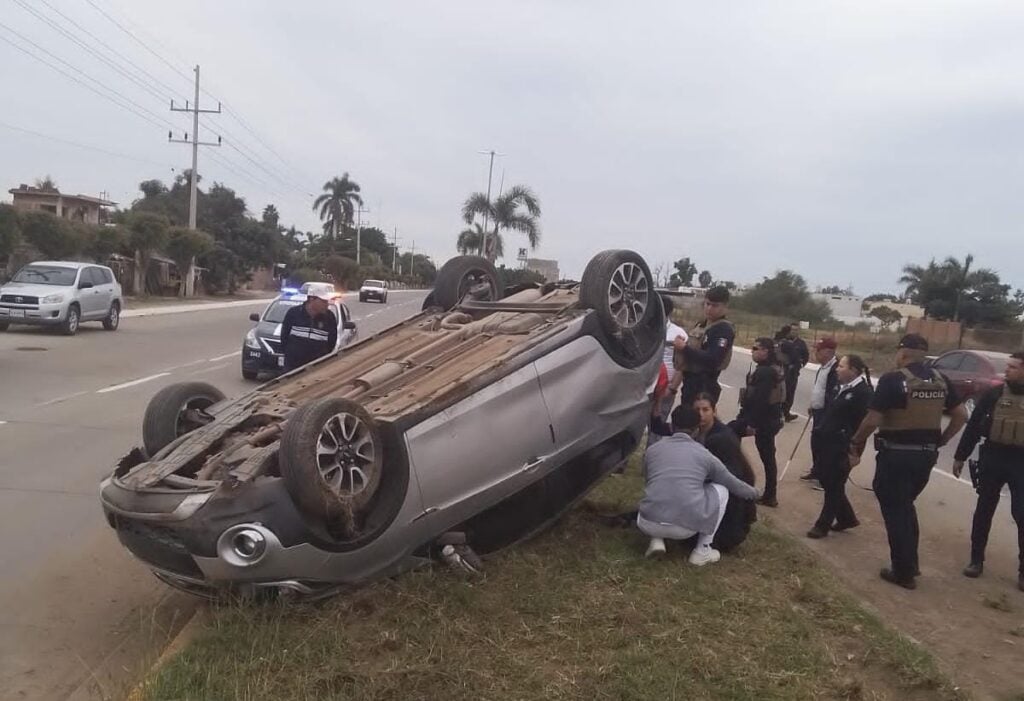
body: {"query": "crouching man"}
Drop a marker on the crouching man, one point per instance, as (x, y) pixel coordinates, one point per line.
(687, 489)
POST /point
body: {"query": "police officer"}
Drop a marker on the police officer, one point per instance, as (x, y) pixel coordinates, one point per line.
(309, 331)
(826, 384)
(999, 417)
(795, 355)
(708, 350)
(761, 409)
(907, 411)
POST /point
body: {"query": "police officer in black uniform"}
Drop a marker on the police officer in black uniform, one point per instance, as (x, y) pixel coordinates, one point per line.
(708, 350)
(999, 417)
(761, 409)
(907, 411)
(309, 331)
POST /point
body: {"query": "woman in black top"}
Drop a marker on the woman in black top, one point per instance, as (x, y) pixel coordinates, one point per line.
(761, 409)
(838, 423)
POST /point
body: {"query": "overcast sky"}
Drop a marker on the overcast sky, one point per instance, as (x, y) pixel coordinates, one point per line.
(838, 139)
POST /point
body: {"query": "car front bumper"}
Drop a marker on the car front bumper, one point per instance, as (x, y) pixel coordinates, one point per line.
(34, 315)
(373, 294)
(261, 360)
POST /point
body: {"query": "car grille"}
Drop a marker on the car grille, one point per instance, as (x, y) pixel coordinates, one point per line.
(274, 345)
(157, 546)
(19, 299)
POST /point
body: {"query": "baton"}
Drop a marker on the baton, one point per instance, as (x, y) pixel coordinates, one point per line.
(795, 447)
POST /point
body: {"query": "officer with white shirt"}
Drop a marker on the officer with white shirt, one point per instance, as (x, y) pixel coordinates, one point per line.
(825, 384)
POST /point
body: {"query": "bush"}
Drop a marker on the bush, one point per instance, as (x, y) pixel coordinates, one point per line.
(53, 237)
(10, 229)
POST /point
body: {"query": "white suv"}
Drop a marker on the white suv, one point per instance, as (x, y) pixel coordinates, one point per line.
(374, 289)
(61, 294)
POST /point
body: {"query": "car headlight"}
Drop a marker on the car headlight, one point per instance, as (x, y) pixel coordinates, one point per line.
(52, 299)
(250, 340)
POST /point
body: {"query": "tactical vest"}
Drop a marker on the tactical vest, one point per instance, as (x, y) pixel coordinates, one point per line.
(778, 393)
(926, 400)
(696, 341)
(1008, 419)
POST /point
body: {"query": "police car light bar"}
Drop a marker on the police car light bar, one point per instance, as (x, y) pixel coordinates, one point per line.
(289, 290)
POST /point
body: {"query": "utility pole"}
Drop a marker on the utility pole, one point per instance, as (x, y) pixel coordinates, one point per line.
(412, 262)
(394, 251)
(193, 185)
(490, 174)
(359, 233)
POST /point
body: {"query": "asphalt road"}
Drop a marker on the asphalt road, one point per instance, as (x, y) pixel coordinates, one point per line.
(78, 615)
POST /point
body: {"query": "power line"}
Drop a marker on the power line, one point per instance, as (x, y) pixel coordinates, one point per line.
(171, 91)
(42, 18)
(152, 119)
(82, 146)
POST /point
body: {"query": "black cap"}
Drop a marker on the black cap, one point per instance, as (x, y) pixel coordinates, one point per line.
(914, 341)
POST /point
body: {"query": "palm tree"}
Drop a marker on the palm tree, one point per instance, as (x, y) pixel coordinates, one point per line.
(919, 278)
(472, 241)
(337, 206)
(506, 212)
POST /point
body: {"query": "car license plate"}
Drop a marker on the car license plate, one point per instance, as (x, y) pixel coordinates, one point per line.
(18, 312)
(280, 362)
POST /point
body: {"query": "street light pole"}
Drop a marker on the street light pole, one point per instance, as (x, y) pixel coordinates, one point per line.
(490, 175)
(359, 233)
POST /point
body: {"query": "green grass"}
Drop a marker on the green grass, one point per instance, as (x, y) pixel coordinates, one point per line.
(575, 614)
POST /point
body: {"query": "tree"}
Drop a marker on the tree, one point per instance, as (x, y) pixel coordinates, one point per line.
(948, 290)
(835, 290)
(345, 271)
(785, 294)
(105, 241)
(704, 279)
(10, 230)
(46, 184)
(147, 234)
(683, 276)
(184, 245)
(53, 237)
(424, 270)
(887, 315)
(512, 277)
(472, 241)
(271, 217)
(337, 205)
(516, 210)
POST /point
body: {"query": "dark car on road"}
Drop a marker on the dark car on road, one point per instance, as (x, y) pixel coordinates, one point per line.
(261, 350)
(971, 371)
(472, 424)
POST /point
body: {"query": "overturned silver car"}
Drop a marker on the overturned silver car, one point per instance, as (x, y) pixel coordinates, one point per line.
(483, 416)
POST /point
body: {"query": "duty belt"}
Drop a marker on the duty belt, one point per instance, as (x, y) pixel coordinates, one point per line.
(883, 444)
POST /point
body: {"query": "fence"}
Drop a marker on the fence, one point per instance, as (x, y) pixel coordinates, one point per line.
(878, 348)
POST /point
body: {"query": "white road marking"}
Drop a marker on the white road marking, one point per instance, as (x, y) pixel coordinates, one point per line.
(212, 368)
(2, 423)
(186, 365)
(139, 381)
(722, 384)
(65, 398)
(224, 357)
(950, 475)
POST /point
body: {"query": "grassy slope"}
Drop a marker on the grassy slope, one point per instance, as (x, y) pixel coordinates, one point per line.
(575, 614)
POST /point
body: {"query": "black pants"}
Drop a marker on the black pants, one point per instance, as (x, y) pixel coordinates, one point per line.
(792, 378)
(900, 476)
(764, 439)
(696, 382)
(816, 446)
(994, 474)
(832, 469)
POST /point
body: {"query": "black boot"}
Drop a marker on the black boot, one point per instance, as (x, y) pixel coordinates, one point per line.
(890, 576)
(817, 532)
(974, 569)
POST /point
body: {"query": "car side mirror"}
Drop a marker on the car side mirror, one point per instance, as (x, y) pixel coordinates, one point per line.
(348, 325)
(254, 317)
(84, 285)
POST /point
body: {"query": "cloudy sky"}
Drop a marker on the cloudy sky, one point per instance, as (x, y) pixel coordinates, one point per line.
(838, 139)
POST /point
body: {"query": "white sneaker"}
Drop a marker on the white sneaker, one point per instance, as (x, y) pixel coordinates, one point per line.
(703, 556)
(656, 548)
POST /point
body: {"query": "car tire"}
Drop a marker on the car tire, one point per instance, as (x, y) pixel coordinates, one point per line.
(618, 286)
(464, 275)
(429, 303)
(69, 327)
(362, 298)
(113, 318)
(250, 374)
(165, 419)
(335, 489)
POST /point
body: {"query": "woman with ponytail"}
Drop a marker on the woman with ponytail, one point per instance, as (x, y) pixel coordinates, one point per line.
(839, 422)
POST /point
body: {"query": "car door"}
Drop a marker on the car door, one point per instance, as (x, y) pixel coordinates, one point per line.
(90, 293)
(483, 448)
(105, 285)
(345, 336)
(971, 376)
(949, 365)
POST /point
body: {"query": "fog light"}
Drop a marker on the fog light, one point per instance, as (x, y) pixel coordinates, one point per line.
(249, 544)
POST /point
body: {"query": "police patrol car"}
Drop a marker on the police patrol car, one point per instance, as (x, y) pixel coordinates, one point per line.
(261, 350)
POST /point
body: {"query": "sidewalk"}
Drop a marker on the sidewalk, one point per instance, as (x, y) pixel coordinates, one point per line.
(156, 310)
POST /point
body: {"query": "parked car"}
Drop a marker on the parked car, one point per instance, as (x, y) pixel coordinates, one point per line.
(62, 295)
(971, 371)
(374, 289)
(261, 349)
(478, 421)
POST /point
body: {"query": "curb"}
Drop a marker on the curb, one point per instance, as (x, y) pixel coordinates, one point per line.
(177, 644)
(183, 308)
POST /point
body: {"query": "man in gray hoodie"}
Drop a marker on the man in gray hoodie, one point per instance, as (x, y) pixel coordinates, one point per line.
(687, 489)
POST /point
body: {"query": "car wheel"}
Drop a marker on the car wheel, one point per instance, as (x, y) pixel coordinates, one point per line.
(113, 318)
(72, 321)
(250, 374)
(466, 275)
(429, 303)
(176, 410)
(331, 459)
(618, 286)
